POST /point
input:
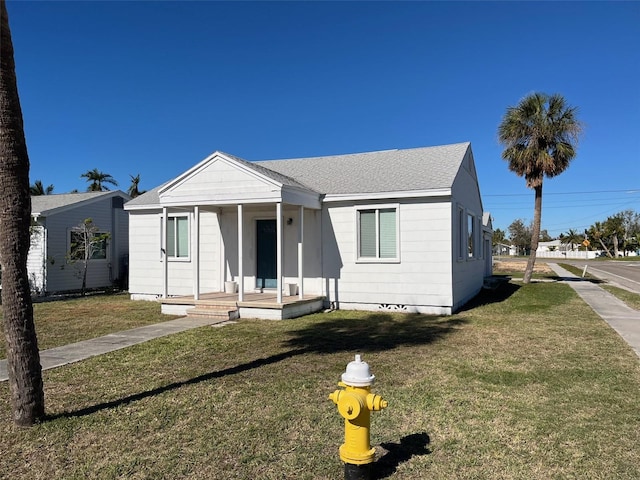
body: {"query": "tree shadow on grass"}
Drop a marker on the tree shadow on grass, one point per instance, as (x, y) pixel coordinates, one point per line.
(243, 367)
(593, 280)
(376, 332)
(340, 332)
(487, 296)
(397, 453)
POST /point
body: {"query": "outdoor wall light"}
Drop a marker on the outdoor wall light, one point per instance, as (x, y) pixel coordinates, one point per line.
(289, 221)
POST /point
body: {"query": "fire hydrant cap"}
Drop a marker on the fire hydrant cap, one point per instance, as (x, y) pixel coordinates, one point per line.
(358, 374)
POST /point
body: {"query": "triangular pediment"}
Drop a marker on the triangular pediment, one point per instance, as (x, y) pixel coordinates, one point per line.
(218, 178)
(223, 179)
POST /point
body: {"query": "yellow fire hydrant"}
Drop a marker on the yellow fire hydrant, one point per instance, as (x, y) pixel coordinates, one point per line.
(355, 403)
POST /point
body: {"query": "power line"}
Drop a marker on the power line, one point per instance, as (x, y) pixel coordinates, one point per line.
(627, 190)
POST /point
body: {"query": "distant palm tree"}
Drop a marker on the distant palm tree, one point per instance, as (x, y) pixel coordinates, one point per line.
(133, 189)
(598, 231)
(38, 189)
(97, 179)
(540, 135)
(572, 238)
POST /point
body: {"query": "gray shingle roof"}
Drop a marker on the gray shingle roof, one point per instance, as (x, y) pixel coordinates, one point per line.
(272, 174)
(150, 197)
(41, 204)
(412, 169)
(424, 168)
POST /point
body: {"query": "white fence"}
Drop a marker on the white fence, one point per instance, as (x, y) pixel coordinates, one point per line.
(575, 255)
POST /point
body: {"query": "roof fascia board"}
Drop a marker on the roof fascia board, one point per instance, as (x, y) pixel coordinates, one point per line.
(207, 161)
(155, 206)
(223, 199)
(440, 192)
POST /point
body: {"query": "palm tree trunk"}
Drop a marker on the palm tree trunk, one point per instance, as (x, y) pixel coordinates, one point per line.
(535, 233)
(604, 247)
(23, 358)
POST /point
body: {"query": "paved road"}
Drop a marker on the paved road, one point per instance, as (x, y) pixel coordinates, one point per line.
(617, 272)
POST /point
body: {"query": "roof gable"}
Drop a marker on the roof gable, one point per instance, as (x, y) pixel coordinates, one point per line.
(222, 178)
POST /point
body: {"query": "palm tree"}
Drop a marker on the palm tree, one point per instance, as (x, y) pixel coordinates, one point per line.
(38, 189)
(97, 179)
(133, 189)
(540, 135)
(23, 357)
(572, 238)
(598, 232)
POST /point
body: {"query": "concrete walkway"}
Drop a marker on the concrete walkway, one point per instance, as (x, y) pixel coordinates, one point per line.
(74, 352)
(623, 319)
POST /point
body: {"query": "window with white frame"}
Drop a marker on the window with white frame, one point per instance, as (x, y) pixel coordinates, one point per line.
(462, 247)
(178, 236)
(378, 234)
(471, 232)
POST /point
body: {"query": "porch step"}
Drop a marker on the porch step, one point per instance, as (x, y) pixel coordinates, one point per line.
(215, 312)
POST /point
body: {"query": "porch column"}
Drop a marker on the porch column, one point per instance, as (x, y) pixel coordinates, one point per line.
(163, 254)
(240, 248)
(279, 252)
(301, 253)
(196, 252)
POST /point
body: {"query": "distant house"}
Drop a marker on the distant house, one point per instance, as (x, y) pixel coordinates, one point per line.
(54, 217)
(501, 249)
(558, 249)
(398, 230)
(552, 246)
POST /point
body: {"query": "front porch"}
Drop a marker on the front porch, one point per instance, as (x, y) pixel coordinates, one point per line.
(253, 305)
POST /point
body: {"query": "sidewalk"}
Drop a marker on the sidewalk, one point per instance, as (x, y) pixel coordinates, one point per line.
(623, 319)
(74, 352)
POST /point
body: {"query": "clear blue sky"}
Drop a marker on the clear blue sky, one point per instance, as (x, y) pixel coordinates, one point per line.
(152, 88)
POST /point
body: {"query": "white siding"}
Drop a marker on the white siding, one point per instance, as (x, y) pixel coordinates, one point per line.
(145, 265)
(36, 259)
(468, 273)
(217, 180)
(419, 281)
(62, 276)
(209, 252)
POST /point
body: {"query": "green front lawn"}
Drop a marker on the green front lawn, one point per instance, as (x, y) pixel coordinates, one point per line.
(61, 322)
(528, 383)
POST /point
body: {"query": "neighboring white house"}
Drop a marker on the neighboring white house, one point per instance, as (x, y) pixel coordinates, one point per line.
(503, 249)
(557, 249)
(397, 230)
(54, 217)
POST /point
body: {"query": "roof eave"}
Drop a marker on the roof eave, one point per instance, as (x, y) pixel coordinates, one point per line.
(343, 197)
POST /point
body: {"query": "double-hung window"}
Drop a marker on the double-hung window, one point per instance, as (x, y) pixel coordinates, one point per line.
(471, 233)
(378, 234)
(178, 237)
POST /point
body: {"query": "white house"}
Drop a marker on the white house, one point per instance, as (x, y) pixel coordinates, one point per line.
(54, 217)
(398, 230)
